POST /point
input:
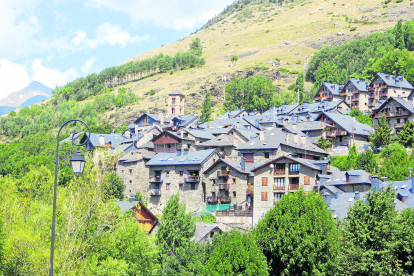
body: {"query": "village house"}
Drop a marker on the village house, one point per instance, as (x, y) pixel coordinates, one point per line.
(285, 109)
(313, 129)
(146, 219)
(345, 130)
(239, 113)
(280, 176)
(225, 144)
(171, 142)
(131, 169)
(356, 94)
(328, 92)
(180, 172)
(313, 109)
(275, 143)
(176, 104)
(398, 111)
(384, 86)
(243, 135)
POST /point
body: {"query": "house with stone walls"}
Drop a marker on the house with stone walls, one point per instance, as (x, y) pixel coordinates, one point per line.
(313, 129)
(277, 142)
(182, 173)
(384, 86)
(239, 113)
(226, 124)
(225, 144)
(131, 169)
(199, 136)
(228, 182)
(280, 176)
(397, 110)
(176, 104)
(355, 93)
(172, 142)
(345, 130)
(285, 109)
(328, 92)
(242, 134)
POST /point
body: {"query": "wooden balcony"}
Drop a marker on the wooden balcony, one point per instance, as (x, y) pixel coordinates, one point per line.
(145, 124)
(371, 97)
(222, 173)
(383, 86)
(383, 94)
(355, 99)
(355, 92)
(279, 172)
(235, 213)
(329, 97)
(392, 114)
(331, 134)
(224, 186)
(166, 150)
(191, 179)
(156, 179)
(341, 133)
(342, 94)
(317, 98)
(275, 187)
(371, 89)
(328, 121)
(154, 192)
(293, 186)
(293, 172)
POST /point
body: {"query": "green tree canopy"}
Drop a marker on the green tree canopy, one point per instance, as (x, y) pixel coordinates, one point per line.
(196, 47)
(406, 135)
(382, 135)
(2, 242)
(206, 110)
(234, 59)
(299, 236)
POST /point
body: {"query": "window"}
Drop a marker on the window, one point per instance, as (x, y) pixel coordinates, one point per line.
(173, 110)
(264, 181)
(173, 100)
(248, 157)
(130, 181)
(213, 182)
(221, 149)
(180, 186)
(167, 186)
(130, 171)
(233, 181)
(365, 96)
(266, 155)
(398, 121)
(234, 194)
(185, 135)
(167, 173)
(181, 173)
(278, 196)
(193, 186)
(349, 98)
(279, 184)
(340, 139)
(279, 168)
(307, 180)
(294, 167)
(264, 196)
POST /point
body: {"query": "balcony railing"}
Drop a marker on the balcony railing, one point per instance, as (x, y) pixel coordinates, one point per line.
(156, 179)
(145, 124)
(329, 97)
(331, 134)
(371, 89)
(371, 97)
(317, 98)
(382, 94)
(342, 94)
(279, 171)
(191, 179)
(212, 200)
(276, 187)
(383, 86)
(328, 122)
(224, 186)
(293, 186)
(222, 174)
(154, 192)
(355, 99)
(341, 133)
(166, 150)
(392, 114)
(293, 172)
(355, 92)
(235, 213)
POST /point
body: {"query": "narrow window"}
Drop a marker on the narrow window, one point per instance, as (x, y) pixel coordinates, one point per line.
(264, 181)
(180, 186)
(167, 186)
(234, 194)
(266, 155)
(193, 186)
(181, 173)
(130, 171)
(234, 180)
(264, 196)
(213, 182)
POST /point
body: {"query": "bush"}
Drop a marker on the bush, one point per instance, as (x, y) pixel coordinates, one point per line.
(283, 70)
(152, 92)
(294, 72)
(353, 29)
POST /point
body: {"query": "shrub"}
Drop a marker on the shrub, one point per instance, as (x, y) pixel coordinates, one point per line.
(152, 92)
(353, 29)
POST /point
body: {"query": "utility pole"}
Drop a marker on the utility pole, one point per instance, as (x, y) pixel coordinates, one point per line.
(298, 95)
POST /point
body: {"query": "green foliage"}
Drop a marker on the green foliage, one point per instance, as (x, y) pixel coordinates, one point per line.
(299, 85)
(177, 227)
(113, 186)
(406, 135)
(299, 236)
(234, 59)
(353, 29)
(206, 218)
(367, 161)
(152, 92)
(294, 72)
(102, 129)
(253, 93)
(324, 143)
(206, 110)
(371, 240)
(236, 254)
(382, 135)
(399, 36)
(196, 47)
(363, 119)
(12, 114)
(395, 162)
(283, 70)
(2, 243)
(140, 197)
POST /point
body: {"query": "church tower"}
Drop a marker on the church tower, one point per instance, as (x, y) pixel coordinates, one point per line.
(175, 104)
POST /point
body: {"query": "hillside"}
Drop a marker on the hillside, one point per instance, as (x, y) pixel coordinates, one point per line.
(258, 34)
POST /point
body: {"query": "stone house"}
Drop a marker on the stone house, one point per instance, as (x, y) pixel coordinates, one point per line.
(345, 130)
(285, 109)
(397, 110)
(239, 113)
(171, 173)
(171, 142)
(277, 142)
(384, 86)
(225, 144)
(176, 103)
(280, 176)
(131, 169)
(313, 129)
(199, 136)
(309, 110)
(328, 92)
(243, 135)
(355, 93)
(228, 182)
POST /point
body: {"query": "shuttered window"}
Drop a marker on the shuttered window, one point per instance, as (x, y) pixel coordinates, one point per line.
(248, 157)
(264, 181)
(264, 196)
(307, 180)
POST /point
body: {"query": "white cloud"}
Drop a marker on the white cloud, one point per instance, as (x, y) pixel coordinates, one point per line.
(113, 34)
(177, 14)
(13, 77)
(51, 77)
(88, 65)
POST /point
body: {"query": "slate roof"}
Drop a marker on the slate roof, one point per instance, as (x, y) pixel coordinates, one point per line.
(346, 122)
(226, 123)
(70, 138)
(274, 137)
(115, 139)
(176, 92)
(335, 89)
(136, 155)
(402, 101)
(361, 85)
(247, 134)
(184, 120)
(394, 81)
(171, 159)
(318, 107)
(147, 145)
(309, 126)
(339, 206)
(338, 178)
(235, 165)
(284, 109)
(231, 114)
(201, 134)
(126, 205)
(203, 229)
(219, 141)
(302, 161)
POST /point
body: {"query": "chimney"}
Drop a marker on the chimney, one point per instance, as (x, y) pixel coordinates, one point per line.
(261, 135)
(287, 138)
(388, 76)
(238, 124)
(296, 139)
(297, 119)
(402, 79)
(303, 138)
(243, 164)
(375, 182)
(353, 120)
(162, 119)
(324, 169)
(185, 152)
(101, 141)
(208, 124)
(127, 134)
(294, 126)
(136, 129)
(336, 195)
(178, 152)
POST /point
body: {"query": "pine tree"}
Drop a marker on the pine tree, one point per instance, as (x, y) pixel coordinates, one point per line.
(299, 85)
(406, 135)
(399, 36)
(382, 136)
(206, 111)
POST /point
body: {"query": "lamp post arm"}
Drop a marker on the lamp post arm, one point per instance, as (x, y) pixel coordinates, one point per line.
(52, 246)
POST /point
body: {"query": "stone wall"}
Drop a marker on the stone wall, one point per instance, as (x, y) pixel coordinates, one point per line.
(392, 105)
(135, 176)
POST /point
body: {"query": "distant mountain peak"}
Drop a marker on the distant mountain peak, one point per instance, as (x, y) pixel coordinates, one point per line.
(34, 89)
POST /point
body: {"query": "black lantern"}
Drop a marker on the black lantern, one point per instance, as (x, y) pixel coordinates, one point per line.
(78, 162)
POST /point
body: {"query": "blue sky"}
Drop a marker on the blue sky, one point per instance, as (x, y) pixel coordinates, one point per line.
(56, 41)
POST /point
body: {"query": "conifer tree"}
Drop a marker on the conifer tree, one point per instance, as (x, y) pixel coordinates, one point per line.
(406, 135)
(299, 85)
(2, 242)
(382, 136)
(399, 36)
(206, 111)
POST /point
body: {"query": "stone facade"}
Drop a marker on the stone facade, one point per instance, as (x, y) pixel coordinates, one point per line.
(135, 175)
(175, 103)
(174, 177)
(395, 119)
(272, 183)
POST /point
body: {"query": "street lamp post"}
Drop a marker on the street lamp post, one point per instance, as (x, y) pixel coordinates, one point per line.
(77, 163)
